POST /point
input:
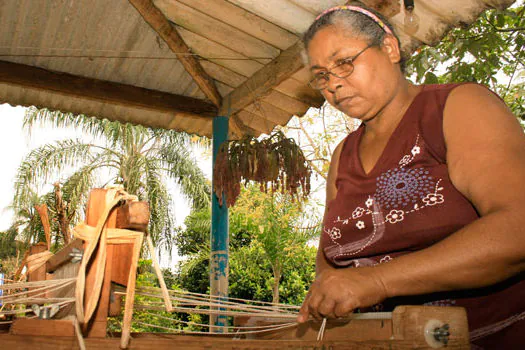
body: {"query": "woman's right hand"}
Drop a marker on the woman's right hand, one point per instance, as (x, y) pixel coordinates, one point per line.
(337, 292)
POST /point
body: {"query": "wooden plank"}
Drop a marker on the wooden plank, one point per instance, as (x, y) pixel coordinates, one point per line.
(154, 17)
(387, 8)
(62, 256)
(44, 217)
(102, 91)
(47, 328)
(121, 262)
(224, 89)
(222, 74)
(267, 111)
(301, 92)
(274, 73)
(280, 12)
(412, 322)
(303, 75)
(133, 216)
(160, 341)
(317, 6)
(255, 122)
(336, 330)
(95, 208)
(239, 129)
(220, 32)
(68, 270)
(243, 20)
(286, 103)
(221, 55)
(40, 273)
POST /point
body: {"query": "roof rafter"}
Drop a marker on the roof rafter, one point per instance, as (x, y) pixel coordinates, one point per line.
(103, 91)
(261, 82)
(156, 19)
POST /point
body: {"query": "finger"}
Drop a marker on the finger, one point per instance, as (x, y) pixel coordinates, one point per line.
(313, 305)
(303, 311)
(326, 308)
(344, 308)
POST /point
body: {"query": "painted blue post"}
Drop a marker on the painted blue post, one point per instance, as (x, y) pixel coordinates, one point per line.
(219, 267)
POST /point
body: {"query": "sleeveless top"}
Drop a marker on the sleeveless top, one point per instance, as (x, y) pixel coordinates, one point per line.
(407, 202)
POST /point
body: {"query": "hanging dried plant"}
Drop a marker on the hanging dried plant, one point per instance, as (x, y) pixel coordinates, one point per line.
(276, 163)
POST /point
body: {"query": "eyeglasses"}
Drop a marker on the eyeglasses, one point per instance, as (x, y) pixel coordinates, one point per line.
(341, 70)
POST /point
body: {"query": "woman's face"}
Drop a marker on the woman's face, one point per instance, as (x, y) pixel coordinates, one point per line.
(371, 85)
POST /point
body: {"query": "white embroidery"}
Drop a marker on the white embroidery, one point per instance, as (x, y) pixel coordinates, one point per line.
(334, 233)
(399, 191)
(385, 259)
(358, 212)
(433, 199)
(405, 160)
(395, 216)
(410, 157)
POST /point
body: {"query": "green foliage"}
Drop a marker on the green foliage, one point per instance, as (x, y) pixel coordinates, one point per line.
(266, 240)
(146, 278)
(251, 275)
(11, 252)
(9, 246)
(490, 51)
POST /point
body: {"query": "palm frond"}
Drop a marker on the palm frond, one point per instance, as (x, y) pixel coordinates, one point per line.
(44, 161)
(159, 199)
(184, 169)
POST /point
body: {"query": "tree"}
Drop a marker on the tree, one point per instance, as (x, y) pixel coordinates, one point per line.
(28, 224)
(266, 237)
(139, 158)
(490, 51)
(280, 227)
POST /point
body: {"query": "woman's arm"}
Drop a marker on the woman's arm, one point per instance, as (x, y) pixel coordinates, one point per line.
(486, 160)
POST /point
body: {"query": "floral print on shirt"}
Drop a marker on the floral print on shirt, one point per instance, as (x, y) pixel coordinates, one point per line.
(399, 193)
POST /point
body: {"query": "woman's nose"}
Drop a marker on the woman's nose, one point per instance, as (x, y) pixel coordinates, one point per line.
(334, 83)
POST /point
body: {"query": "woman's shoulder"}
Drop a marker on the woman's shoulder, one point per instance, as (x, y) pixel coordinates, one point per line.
(466, 87)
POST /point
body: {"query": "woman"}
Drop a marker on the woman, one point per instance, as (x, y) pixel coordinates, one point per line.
(426, 200)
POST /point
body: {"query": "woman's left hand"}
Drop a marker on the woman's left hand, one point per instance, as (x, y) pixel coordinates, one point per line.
(336, 293)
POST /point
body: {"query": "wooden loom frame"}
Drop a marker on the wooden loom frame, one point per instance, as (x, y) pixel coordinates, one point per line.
(406, 328)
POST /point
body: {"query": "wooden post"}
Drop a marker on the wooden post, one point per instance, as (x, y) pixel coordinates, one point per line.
(219, 269)
(40, 273)
(95, 208)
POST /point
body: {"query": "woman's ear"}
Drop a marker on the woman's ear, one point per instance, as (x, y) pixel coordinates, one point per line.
(391, 47)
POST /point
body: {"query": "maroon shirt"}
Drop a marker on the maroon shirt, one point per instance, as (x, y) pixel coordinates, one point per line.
(407, 202)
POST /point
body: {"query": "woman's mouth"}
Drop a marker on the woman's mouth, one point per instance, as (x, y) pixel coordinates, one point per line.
(342, 99)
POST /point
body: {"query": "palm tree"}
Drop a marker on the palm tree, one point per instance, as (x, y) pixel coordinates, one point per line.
(27, 223)
(139, 158)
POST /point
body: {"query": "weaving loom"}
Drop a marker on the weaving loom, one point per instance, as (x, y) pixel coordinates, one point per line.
(69, 295)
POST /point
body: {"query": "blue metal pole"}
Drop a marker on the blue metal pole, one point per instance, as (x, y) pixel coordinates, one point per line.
(219, 268)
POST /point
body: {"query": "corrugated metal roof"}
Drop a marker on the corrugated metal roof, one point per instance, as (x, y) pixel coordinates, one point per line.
(110, 41)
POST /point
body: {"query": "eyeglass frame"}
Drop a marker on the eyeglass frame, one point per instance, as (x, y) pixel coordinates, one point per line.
(343, 61)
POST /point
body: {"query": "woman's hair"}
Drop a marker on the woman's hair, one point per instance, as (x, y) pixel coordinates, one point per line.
(357, 20)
